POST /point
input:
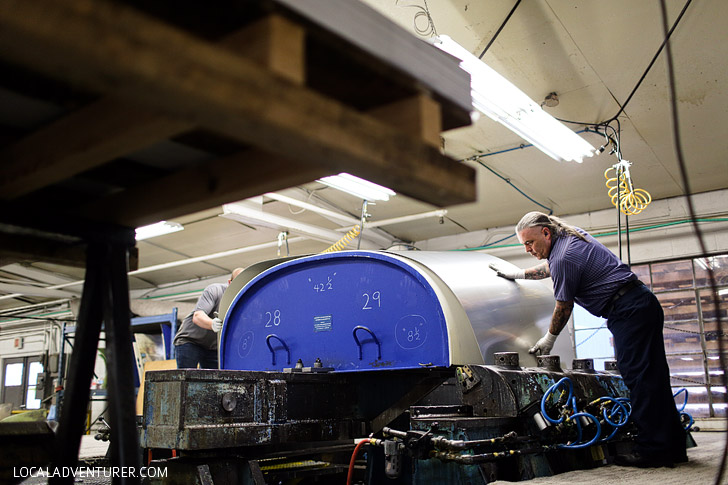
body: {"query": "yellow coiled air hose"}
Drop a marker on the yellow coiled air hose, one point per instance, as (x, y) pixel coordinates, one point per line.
(344, 241)
(631, 201)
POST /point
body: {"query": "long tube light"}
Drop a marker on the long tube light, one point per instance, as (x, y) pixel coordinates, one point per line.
(345, 218)
(248, 213)
(358, 187)
(496, 97)
(157, 229)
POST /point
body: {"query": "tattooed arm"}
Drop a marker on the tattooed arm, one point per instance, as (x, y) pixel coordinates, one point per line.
(561, 315)
(538, 272)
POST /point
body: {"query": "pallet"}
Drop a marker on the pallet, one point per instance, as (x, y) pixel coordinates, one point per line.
(268, 96)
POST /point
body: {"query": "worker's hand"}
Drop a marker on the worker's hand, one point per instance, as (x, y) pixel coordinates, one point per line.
(216, 324)
(544, 345)
(509, 274)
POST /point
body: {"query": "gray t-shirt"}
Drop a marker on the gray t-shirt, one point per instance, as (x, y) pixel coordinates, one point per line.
(209, 302)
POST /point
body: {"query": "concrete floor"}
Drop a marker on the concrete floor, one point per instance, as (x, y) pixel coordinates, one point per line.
(701, 469)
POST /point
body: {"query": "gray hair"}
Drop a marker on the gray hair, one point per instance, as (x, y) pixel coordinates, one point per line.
(555, 225)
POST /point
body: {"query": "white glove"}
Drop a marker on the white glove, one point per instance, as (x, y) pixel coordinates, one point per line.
(509, 274)
(545, 344)
(216, 324)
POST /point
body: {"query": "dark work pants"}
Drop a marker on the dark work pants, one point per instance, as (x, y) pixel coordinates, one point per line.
(636, 321)
(189, 355)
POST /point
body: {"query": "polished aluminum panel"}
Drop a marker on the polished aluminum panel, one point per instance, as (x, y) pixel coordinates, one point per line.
(506, 316)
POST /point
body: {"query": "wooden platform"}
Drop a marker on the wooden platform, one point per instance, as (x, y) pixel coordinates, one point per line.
(98, 100)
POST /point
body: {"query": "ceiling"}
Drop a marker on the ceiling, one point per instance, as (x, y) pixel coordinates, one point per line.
(592, 54)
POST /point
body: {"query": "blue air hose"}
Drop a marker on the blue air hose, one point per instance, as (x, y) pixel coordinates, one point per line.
(682, 408)
(621, 410)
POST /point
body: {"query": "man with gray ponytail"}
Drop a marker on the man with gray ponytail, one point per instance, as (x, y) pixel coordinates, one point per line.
(584, 271)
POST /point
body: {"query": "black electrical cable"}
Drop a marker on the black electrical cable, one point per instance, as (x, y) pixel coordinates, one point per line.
(457, 224)
(495, 36)
(619, 211)
(476, 159)
(664, 44)
(691, 210)
(629, 98)
(626, 233)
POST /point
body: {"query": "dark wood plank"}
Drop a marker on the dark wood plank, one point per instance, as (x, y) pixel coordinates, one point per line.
(86, 138)
(273, 42)
(227, 179)
(419, 116)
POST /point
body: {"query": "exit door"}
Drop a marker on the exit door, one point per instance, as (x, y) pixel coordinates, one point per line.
(20, 375)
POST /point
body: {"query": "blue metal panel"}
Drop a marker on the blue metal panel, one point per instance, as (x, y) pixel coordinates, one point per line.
(353, 310)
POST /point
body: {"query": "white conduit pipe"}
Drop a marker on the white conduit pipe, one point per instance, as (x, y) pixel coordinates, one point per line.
(173, 264)
(413, 217)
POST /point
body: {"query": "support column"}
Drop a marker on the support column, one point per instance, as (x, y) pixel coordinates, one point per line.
(76, 394)
(105, 298)
(120, 364)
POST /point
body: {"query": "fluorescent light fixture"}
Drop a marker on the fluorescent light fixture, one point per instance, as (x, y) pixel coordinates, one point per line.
(495, 96)
(358, 187)
(723, 292)
(252, 214)
(157, 229)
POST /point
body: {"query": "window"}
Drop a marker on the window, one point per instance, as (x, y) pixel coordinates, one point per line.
(592, 338)
(691, 332)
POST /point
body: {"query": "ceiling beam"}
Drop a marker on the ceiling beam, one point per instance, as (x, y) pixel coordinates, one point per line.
(171, 71)
(35, 274)
(31, 290)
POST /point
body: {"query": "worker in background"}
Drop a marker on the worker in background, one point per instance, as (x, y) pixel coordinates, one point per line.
(196, 339)
(586, 272)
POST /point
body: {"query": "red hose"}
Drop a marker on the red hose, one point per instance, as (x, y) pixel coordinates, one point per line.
(350, 476)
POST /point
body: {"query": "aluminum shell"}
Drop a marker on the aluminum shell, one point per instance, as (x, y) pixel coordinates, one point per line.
(506, 316)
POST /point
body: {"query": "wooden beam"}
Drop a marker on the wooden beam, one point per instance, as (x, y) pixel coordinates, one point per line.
(197, 188)
(82, 140)
(110, 127)
(419, 116)
(177, 73)
(275, 43)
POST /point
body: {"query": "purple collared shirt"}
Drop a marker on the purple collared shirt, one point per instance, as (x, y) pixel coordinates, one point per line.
(586, 272)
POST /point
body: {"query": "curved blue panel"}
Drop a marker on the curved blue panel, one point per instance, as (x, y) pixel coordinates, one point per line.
(352, 310)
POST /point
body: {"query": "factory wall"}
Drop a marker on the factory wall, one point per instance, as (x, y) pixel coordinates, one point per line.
(38, 339)
(33, 340)
(666, 236)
